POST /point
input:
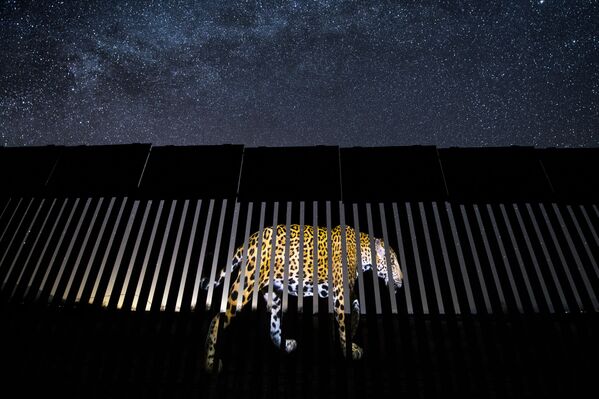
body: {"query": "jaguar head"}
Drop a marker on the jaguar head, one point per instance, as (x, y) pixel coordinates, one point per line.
(383, 268)
(380, 259)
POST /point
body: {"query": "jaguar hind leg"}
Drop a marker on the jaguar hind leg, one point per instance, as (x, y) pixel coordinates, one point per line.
(355, 316)
(275, 324)
(211, 347)
(357, 352)
(227, 316)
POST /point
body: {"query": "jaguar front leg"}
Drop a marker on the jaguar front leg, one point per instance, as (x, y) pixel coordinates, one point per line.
(357, 352)
(211, 363)
(340, 317)
(355, 316)
(275, 324)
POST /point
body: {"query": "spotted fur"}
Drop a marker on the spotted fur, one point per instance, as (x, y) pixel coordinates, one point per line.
(309, 286)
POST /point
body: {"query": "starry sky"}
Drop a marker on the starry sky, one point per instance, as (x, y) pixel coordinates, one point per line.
(293, 73)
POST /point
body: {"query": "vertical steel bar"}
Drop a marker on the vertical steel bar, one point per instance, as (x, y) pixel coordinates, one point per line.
(273, 253)
(549, 263)
(450, 280)
(531, 295)
(69, 249)
(23, 242)
(57, 248)
(506, 263)
(329, 257)
(41, 256)
(156, 273)
(82, 249)
(146, 260)
(479, 272)
(286, 258)
(219, 234)
(491, 259)
(417, 264)
(5, 207)
(585, 244)
(562, 259)
(359, 260)
(230, 253)
(14, 212)
(258, 257)
(300, 286)
(589, 224)
(33, 247)
(344, 263)
(391, 283)
(346, 303)
(134, 255)
(315, 260)
(119, 257)
(95, 250)
(431, 259)
(458, 247)
(534, 260)
(196, 285)
(583, 274)
(107, 251)
(171, 268)
(373, 256)
(16, 232)
(245, 256)
(402, 260)
(192, 236)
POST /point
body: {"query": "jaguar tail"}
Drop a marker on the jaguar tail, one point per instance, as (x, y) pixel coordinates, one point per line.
(205, 281)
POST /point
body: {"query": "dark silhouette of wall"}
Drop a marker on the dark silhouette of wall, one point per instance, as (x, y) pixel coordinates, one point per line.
(87, 232)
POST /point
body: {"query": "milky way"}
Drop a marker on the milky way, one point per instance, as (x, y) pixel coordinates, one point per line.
(452, 73)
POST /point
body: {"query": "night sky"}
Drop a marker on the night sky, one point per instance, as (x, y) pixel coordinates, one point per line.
(452, 73)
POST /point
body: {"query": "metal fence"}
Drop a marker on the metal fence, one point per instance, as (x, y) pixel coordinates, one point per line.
(151, 254)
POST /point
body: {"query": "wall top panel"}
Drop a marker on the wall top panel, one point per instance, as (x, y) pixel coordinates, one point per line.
(494, 173)
(410, 173)
(99, 170)
(391, 173)
(290, 173)
(26, 170)
(209, 171)
(572, 171)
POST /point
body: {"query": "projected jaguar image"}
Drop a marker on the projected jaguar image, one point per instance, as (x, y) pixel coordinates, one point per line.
(272, 263)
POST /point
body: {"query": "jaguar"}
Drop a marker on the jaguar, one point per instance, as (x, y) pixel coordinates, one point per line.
(245, 282)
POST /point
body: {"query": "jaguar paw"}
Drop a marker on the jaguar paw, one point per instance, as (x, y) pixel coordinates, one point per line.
(356, 352)
(290, 345)
(211, 368)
